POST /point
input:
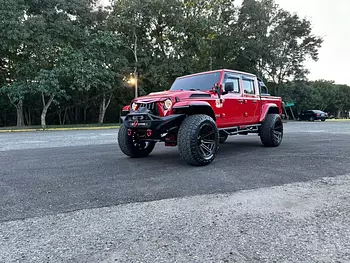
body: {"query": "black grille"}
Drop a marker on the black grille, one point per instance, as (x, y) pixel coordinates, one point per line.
(152, 107)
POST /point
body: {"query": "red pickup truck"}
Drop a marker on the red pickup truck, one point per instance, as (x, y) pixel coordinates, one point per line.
(198, 113)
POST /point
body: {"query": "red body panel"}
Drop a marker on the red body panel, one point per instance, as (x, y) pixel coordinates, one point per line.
(126, 108)
(231, 109)
(190, 102)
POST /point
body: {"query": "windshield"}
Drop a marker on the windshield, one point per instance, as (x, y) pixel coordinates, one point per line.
(197, 82)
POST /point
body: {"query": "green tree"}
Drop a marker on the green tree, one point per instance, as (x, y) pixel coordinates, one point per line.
(292, 43)
(341, 102)
(324, 94)
(99, 66)
(275, 43)
(13, 82)
(255, 19)
(69, 56)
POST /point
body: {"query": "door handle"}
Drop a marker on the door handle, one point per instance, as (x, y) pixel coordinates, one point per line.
(241, 101)
(255, 101)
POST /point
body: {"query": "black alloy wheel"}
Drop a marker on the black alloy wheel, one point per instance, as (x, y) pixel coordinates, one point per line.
(278, 131)
(198, 140)
(271, 131)
(207, 141)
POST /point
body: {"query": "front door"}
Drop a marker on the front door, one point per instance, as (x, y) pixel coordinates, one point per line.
(251, 101)
(231, 107)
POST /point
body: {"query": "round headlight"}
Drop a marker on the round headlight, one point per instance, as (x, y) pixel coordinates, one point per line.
(167, 104)
(134, 106)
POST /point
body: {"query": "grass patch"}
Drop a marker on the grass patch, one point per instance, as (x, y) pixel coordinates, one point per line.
(338, 120)
(61, 127)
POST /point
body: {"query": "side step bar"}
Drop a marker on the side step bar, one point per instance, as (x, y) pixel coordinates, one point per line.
(240, 129)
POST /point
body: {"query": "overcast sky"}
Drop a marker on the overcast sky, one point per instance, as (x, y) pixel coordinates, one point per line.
(331, 21)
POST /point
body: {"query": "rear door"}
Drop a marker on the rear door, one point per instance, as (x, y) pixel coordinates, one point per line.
(251, 101)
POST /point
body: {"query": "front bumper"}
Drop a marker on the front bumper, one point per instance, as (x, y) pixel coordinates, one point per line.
(141, 122)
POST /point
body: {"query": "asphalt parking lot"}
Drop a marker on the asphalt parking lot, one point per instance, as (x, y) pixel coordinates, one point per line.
(48, 177)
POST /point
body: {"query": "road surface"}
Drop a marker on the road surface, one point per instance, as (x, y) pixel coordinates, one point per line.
(79, 184)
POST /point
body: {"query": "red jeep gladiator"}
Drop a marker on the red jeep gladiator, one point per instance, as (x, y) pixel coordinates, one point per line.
(198, 113)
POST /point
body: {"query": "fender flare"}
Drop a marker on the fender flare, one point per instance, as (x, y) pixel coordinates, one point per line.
(125, 111)
(268, 108)
(126, 108)
(194, 107)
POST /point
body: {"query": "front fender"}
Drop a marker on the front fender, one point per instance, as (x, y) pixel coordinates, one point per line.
(126, 108)
(194, 107)
(187, 103)
(125, 111)
(267, 108)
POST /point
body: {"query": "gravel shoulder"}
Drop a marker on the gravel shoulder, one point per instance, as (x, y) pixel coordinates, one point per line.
(300, 222)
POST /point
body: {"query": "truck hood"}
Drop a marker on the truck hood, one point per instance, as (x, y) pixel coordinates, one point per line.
(159, 96)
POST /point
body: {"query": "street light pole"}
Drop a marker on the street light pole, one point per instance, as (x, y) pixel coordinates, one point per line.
(136, 84)
(134, 51)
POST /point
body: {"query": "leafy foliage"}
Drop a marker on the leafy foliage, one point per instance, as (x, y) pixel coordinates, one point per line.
(76, 55)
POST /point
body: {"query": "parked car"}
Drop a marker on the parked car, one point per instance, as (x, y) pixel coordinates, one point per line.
(199, 112)
(312, 115)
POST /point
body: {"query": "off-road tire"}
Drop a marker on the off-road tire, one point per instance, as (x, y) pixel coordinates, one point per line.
(223, 137)
(271, 131)
(127, 146)
(190, 139)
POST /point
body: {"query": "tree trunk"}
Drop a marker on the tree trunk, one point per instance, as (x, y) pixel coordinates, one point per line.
(59, 113)
(338, 113)
(276, 90)
(20, 116)
(76, 115)
(84, 113)
(86, 105)
(45, 108)
(103, 107)
(29, 117)
(65, 116)
(26, 118)
(19, 109)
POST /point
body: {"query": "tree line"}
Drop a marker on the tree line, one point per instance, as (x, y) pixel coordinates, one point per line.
(69, 61)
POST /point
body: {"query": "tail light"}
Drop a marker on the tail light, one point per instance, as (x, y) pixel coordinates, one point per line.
(318, 115)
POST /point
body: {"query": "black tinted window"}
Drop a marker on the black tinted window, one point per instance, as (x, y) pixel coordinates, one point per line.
(235, 82)
(248, 86)
(197, 82)
(263, 88)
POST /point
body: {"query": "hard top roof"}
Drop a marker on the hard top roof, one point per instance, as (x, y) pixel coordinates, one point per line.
(218, 70)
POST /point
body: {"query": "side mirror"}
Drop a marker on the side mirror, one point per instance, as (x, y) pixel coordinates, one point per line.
(217, 89)
(229, 87)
